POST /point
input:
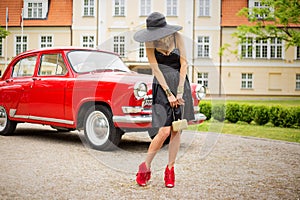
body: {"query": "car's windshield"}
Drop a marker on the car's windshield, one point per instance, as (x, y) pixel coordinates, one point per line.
(89, 61)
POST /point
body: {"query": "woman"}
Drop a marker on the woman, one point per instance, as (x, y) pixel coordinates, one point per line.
(171, 90)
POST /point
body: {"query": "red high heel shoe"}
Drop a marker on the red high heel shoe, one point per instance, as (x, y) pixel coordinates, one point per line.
(169, 177)
(143, 175)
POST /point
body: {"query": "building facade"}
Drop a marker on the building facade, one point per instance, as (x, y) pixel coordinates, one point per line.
(110, 25)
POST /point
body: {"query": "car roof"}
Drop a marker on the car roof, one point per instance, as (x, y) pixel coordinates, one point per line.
(64, 48)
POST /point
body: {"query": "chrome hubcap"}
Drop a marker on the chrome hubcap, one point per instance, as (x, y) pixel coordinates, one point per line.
(3, 118)
(97, 128)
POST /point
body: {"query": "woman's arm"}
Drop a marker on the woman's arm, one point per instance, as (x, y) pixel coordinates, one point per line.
(159, 75)
(183, 61)
(154, 66)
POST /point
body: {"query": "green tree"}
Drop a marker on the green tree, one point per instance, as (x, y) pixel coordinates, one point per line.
(3, 32)
(274, 18)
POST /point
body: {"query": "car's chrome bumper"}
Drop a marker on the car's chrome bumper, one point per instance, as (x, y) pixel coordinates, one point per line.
(133, 119)
(148, 118)
(199, 117)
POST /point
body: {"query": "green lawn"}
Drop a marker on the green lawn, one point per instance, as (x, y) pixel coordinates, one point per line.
(276, 133)
(244, 129)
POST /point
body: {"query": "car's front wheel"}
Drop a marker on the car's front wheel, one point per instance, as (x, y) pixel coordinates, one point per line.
(7, 127)
(99, 130)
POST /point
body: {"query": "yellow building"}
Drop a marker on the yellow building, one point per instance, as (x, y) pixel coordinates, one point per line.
(207, 25)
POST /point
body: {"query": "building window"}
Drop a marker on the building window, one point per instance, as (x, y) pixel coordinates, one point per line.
(88, 8)
(119, 8)
(247, 81)
(35, 9)
(247, 47)
(1, 48)
(46, 41)
(262, 8)
(142, 50)
(276, 48)
(172, 6)
(21, 45)
(262, 48)
(203, 78)
(298, 52)
(119, 45)
(297, 81)
(88, 41)
(203, 46)
(145, 7)
(204, 8)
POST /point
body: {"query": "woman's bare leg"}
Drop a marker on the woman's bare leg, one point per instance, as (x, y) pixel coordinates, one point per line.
(156, 144)
(174, 146)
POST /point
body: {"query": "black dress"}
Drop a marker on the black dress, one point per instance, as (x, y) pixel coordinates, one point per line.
(162, 112)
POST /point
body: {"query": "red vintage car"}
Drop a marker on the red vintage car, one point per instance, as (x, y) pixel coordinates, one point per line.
(77, 88)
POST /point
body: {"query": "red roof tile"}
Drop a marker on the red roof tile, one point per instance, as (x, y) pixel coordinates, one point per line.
(59, 14)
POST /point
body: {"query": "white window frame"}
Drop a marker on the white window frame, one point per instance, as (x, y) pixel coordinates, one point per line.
(257, 4)
(262, 49)
(119, 45)
(44, 9)
(122, 5)
(202, 46)
(145, 7)
(91, 43)
(173, 6)
(90, 8)
(297, 85)
(142, 50)
(48, 44)
(247, 81)
(202, 78)
(25, 44)
(204, 8)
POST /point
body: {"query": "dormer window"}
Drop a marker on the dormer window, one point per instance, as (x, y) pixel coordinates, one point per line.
(35, 9)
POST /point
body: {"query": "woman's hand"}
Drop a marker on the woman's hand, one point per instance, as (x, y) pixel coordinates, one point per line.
(173, 101)
(180, 99)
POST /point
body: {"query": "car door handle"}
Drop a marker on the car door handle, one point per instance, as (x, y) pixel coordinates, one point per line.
(8, 80)
(36, 79)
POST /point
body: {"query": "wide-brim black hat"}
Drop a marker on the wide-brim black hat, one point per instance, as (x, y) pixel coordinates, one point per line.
(157, 28)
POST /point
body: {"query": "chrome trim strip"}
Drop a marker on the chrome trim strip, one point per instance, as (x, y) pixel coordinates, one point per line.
(62, 121)
(133, 119)
(12, 112)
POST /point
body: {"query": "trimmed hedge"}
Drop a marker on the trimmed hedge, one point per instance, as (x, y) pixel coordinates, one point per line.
(280, 116)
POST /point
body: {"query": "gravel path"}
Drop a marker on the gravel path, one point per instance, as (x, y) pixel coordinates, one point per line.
(39, 163)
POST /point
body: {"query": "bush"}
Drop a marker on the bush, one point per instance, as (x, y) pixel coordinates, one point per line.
(218, 112)
(261, 115)
(297, 116)
(246, 113)
(282, 116)
(290, 118)
(205, 108)
(233, 112)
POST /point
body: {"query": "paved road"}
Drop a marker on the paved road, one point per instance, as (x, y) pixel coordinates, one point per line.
(40, 163)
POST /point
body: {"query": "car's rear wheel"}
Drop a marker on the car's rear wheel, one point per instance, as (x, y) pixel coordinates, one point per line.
(7, 127)
(99, 130)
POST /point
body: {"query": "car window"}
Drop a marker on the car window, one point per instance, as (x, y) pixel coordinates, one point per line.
(24, 67)
(88, 61)
(52, 65)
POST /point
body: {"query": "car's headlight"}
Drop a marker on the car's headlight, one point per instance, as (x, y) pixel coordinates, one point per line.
(140, 90)
(200, 92)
